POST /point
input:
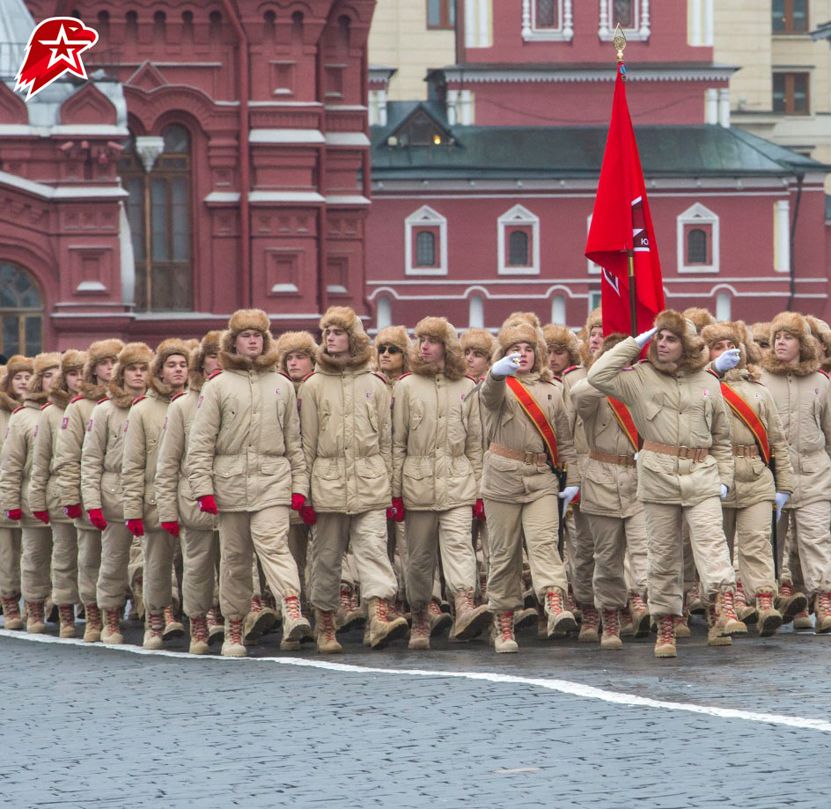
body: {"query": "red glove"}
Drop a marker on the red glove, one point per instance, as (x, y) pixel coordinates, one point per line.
(308, 515)
(73, 512)
(297, 501)
(479, 510)
(15, 514)
(96, 517)
(208, 504)
(43, 516)
(135, 527)
(172, 528)
(397, 509)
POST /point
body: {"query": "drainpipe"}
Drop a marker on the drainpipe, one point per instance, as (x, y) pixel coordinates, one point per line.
(792, 271)
(323, 218)
(244, 66)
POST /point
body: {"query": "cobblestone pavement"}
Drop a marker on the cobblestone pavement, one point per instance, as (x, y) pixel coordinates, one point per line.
(87, 727)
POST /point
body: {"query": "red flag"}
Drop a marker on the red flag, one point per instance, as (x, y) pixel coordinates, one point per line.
(621, 223)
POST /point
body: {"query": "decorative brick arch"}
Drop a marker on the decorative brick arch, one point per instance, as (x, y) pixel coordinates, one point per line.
(12, 107)
(88, 106)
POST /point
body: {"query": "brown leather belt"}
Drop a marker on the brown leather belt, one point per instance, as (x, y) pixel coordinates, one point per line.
(607, 457)
(696, 454)
(746, 450)
(533, 458)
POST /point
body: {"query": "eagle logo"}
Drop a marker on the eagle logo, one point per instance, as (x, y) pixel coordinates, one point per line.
(54, 48)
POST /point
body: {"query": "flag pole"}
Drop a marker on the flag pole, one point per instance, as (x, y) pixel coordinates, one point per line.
(619, 41)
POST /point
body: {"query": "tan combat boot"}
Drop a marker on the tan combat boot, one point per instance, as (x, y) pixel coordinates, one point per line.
(93, 623)
(172, 626)
(769, 618)
(383, 627)
(681, 625)
(295, 626)
(35, 622)
(790, 602)
(610, 639)
(726, 612)
(471, 620)
(260, 619)
(665, 642)
(327, 642)
(716, 631)
(560, 620)
(745, 610)
(137, 599)
(233, 645)
(590, 627)
(802, 620)
(349, 614)
(216, 628)
(66, 614)
(111, 631)
(693, 601)
(198, 635)
(420, 630)
(640, 615)
(153, 630)
(11, 614)
(822, 613)
(524, 617)
(504, 641)
(439, 620)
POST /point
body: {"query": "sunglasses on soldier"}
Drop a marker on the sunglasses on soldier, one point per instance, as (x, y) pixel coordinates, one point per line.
(385, 349)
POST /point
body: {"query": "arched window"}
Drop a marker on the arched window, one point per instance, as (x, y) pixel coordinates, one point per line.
(187, 25)
(518, 249)
(269, 26)
(131, 25)
(104, 24)
(215, 18)
(476, 312)
(159, 26)
(425, 249)
(623, 12)
(21, 312)
(162, 241)
(697, 246)
(384, 313)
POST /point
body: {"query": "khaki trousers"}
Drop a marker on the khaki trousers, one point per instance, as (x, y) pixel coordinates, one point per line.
(241, 534)
(580, 556)
(349, 569)
(10, 562)
(135, 567)
(507, 524)
(201, 551)
(665, 552)
(397, 551)
(159, 552)
(811, 542)
(612, 537)
(35, 563)
(64, 563)
(445, 532)
(113, 581)
(748, 534)
(299, 547)
(366, 534)
(89, 563)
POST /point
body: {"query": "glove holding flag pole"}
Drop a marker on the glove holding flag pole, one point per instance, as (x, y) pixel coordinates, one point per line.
(621, 237)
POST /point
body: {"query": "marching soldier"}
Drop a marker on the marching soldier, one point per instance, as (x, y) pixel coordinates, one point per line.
(478, 346)
(685, 468)
(13, 385)
(528, 435)
(437, 461)
(44, 495)
(345, 423)
(245, 462)
(98, 369)
(563, 348)
(101, 490)
(168, 377)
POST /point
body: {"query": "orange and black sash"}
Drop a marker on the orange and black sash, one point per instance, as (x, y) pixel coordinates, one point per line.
(534, 412)
(626, 422)
(748, 417)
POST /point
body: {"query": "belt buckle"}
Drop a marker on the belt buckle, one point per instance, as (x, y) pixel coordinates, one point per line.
(531, 458)
(684, 453)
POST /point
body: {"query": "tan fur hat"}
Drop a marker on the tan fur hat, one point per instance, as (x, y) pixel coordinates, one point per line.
(73, 360)
(43, 363)
(344, 317)
(17, 363)
(243, 319)
(98, 352)
(393, 335)
(761, 331)
(594, 320)
(699, 317)
(722, 330)
(209, 344)
(165, 349)
(480, 340)
(438, 328)
(133, 354)
(293, 341)
(562, 338)
(821, 332)
(694, 356)
(524, 327)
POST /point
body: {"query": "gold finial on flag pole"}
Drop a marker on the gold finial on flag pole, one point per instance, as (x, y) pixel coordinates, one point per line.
(619, 41)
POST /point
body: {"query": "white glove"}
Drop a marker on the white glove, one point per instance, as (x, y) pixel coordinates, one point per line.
(507, 366)
(567, 495)
(727, 360)
(644, 337)
(724, 491)
(781, 499)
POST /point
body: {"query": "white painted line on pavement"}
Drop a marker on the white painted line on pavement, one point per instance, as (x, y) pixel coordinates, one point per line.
(562, 686)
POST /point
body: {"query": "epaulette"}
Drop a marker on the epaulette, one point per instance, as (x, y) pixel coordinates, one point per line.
(381, 377)
(642, 361)
(77, 398)
(571, 368)
(404, 375)
(45, 405)
(714, 373)
(283, 373)
(138, 399)
(177, 395)
(311, 373)
(17, 409)
(472, 379)
(824, 373)
(214, 373)
(103, 399)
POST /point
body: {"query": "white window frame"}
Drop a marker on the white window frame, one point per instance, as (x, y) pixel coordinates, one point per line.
(518, 216)
(530, 32)
(383, 313)
(593, 298)
(641, 31)
(697, 214)
(476, 312)
(594, 269)
(425, 217)
(724, 305)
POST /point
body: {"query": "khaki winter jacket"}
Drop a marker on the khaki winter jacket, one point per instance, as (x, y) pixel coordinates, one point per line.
(437, 443)
(682, 408)
(141, 450)
(801, 397)
(16, 461)
(44, 494)
(753, 480)
(513, 481)
(174, 497)
(607, 488)
(244, 446)
(569, 379)
(102, 455)
(346, 426)
(7, 407)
